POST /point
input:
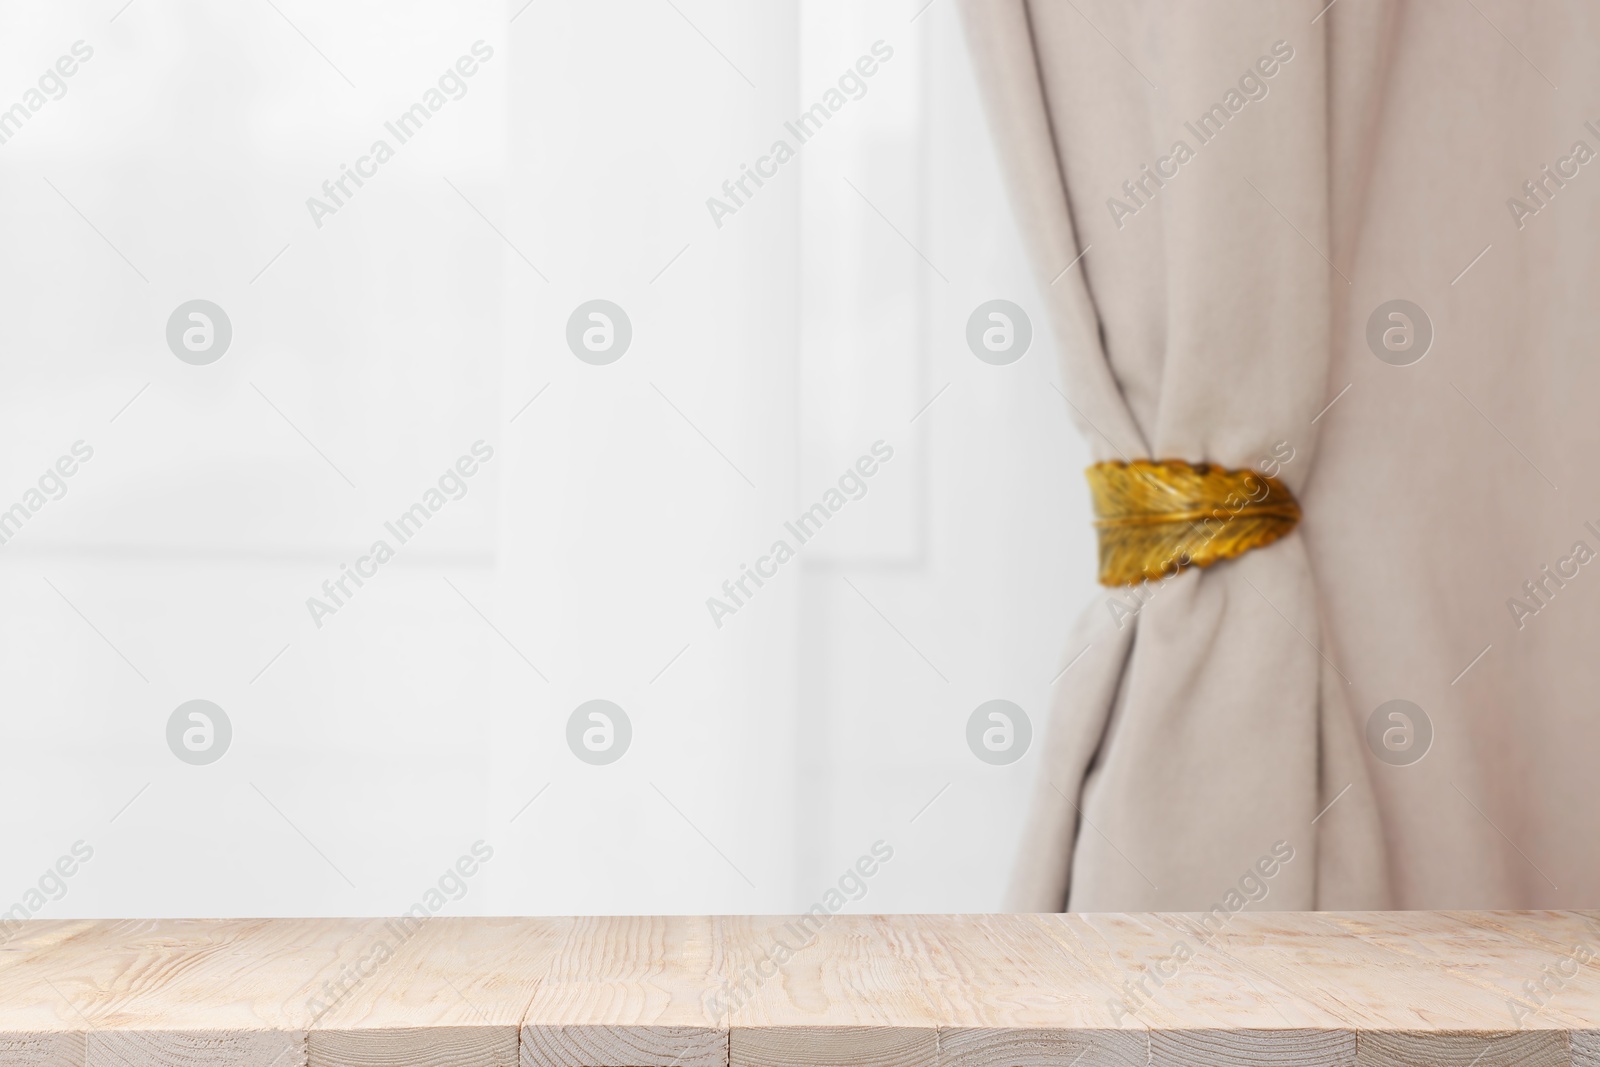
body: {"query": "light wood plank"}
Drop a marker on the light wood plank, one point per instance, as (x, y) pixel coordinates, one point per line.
(1420, 972)
(38, 1021)
(196, 1048)
(1543, 1048)
(1042, 1047)
(1399, 971)
(1306, 989)
(415, 1046)
(206, 976)
(176, 992)
(1252, 1048)
(1009, 995)
(629, 992)
(1179, 972)
(1194, 980)
(47, 1049)
(1543, 968)
(436, 992)
(820, 991)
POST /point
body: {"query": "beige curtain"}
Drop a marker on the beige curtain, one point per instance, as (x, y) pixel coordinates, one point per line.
(1219, 196)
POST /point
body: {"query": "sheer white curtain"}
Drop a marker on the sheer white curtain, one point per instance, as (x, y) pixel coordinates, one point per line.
(378, 338)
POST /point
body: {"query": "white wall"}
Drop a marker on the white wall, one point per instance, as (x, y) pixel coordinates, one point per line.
(371, 352)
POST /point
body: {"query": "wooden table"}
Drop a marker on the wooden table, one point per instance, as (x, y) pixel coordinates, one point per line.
(1436, 989)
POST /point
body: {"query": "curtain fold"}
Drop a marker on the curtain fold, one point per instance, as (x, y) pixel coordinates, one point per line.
(1220, 200)
(1180, 154)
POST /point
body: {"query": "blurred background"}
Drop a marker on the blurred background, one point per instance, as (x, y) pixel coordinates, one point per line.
(747, 357)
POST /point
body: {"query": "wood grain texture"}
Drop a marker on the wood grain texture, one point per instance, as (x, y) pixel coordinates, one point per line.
(629, 992)
(1392, 971)
(1252, 1048)
(195, 1048)
(1465, 989)
(1542, 969)
(415, 1046)
(1196, 985)
(1176, 972)
(819, 991)
(1007, 994)
(51, 1049)
(186, 993)
(435, 992)
(206, 976)
(1045, 1047)
(39, 1024)
(1545, 1048)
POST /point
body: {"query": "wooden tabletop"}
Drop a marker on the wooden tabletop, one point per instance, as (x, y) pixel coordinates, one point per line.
(1439, 989)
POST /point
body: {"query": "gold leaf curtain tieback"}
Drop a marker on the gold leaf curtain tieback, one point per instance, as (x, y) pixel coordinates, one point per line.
(1155, 517)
